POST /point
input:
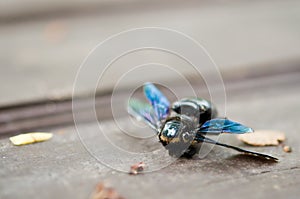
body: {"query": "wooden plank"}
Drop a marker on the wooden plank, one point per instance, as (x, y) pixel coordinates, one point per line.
(58, 112)
(63, 168)
(43, 54)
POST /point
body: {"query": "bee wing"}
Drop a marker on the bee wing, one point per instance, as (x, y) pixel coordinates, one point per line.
(159, 102)
(142, 111)
(223, 125)
(201, 138)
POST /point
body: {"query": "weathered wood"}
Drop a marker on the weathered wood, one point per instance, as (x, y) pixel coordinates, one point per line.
(41, 55)
(62, 168)
(42, 49)
(57, 112)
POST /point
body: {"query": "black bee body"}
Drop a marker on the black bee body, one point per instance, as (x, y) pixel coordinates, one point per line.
(198, 109)
(183, 133)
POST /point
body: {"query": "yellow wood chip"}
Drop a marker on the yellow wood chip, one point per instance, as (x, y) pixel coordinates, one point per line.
(29, 138)
(262, 138)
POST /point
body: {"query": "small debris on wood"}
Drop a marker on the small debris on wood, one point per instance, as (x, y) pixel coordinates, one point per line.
(103, 191)
(137, 168)
(29, 138)
(263, 138)
(287, 149)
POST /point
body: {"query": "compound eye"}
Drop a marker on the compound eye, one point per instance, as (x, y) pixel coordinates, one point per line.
(171, 129)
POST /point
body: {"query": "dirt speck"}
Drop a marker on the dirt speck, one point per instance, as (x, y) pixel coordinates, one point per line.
(287, 149)
(137, 168)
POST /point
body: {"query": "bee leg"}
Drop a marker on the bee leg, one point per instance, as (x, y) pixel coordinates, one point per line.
(191, 151)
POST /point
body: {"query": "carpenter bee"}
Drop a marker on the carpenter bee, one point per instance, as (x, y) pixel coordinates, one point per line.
(183, 126)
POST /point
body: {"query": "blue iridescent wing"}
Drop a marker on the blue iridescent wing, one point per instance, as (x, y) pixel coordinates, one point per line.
(159, 102)
(142, 111)
(223, 125)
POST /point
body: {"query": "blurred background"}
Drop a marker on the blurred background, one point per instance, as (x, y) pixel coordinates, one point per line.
(255, 44)
(44, 42)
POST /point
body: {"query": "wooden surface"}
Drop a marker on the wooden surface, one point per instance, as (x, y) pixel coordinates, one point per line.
(40, 55)
(254, 43)
(62, 167)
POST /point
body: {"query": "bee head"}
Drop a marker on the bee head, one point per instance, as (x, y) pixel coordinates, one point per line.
(177, 134)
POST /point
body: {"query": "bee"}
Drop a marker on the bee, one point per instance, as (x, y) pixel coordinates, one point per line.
(183, 126)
